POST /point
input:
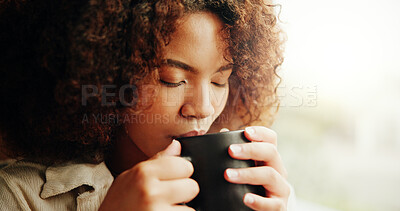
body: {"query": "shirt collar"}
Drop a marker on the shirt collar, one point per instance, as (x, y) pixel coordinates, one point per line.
(66, 177)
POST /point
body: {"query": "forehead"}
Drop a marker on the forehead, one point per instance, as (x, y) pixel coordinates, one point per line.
(199, 23)
(197, 35)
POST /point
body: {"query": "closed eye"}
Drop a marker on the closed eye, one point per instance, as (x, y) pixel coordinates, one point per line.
(219, 85)
(168, 84)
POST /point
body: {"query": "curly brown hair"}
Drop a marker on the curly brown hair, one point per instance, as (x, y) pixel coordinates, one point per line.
(51, 48)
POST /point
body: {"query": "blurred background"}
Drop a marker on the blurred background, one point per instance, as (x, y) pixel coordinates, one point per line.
(339, 120)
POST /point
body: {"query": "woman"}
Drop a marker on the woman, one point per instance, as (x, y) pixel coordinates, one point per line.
(97, 91)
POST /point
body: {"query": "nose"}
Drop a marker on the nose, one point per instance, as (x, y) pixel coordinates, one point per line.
(198, 103)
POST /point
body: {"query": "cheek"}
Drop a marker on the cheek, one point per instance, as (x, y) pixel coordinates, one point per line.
(167, 103)
(170, 97)
(219, 97)
(147, 95)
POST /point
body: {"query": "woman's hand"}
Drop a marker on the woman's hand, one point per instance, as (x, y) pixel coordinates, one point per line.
(269, 171)
(160, 183)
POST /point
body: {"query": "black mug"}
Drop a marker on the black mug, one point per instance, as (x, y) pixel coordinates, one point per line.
(209, 156)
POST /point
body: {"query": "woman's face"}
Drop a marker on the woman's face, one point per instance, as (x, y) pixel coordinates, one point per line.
(193, 87)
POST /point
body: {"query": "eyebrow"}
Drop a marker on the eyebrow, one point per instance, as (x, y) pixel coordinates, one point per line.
(186, 67)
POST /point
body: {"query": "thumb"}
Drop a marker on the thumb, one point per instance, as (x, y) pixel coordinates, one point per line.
(173, 149)
(224, 130)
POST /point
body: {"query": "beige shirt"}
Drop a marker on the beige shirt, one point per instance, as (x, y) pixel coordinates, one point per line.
(31, 186)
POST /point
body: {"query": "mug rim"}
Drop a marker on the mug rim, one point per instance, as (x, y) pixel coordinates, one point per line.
(209, 134)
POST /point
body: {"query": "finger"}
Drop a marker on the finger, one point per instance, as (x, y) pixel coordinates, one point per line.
(261, 134)
(173, 149)
(224, 130)
(256, 202)
(179, 191)
(259, 151)
(165, 168)
(262, 175)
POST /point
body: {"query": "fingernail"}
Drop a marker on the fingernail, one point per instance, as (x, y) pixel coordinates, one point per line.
(250, 130)
(173, 148)
(174, 142)
(224, 130)
(231, 173)
(236, 149)
(248, 199)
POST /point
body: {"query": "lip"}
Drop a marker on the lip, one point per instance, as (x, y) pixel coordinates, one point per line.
(191, 133)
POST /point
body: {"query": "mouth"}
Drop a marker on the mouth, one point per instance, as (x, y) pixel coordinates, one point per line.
(191, 133)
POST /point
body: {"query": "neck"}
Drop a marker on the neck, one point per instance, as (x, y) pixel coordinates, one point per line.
(124, 154)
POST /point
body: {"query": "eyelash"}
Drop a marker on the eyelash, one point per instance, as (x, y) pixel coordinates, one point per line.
(168, 84)
(219, 85)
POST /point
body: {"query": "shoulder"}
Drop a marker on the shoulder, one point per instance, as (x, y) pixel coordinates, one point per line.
(23, 175)
(65, 186)
(20, 181)
(21, 169)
